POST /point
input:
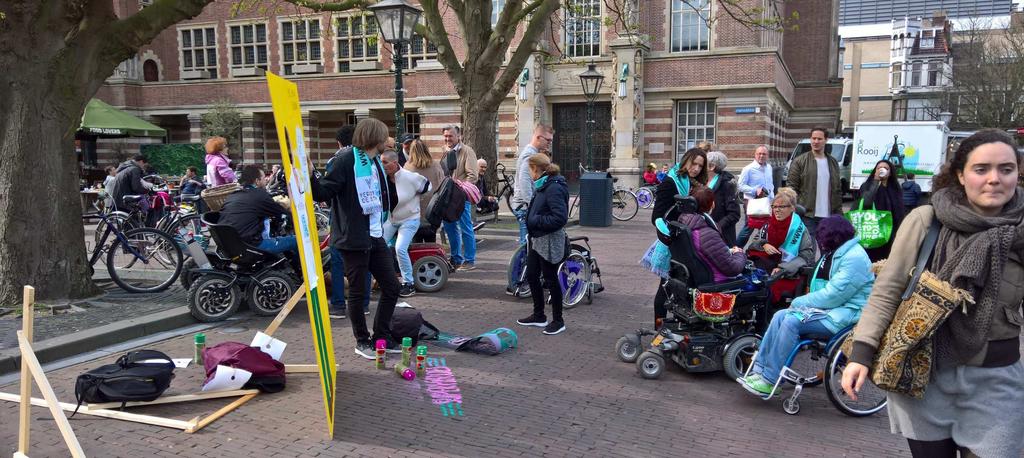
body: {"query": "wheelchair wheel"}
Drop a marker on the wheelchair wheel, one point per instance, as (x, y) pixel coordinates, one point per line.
(870, 399)
(517, 273)
(650, 365)
(574, 279)
(811, 365)
(213, 298)
(739, 356)
(791, 405)
(187, 277)
(644, 197)
(628, 348)
(268, 292)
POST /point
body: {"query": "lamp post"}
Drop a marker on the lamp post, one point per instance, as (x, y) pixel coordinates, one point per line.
(396, 20)
(591, 80)
(946, 117)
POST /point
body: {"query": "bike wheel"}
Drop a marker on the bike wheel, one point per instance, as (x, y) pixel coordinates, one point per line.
(323, 225)
(119, 221)
(145, 260)
(624, 205)
(193, 224)
(517, 273)
(870, 398)
(574, 279)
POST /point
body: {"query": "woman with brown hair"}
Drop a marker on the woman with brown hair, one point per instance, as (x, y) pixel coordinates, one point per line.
(689, 173)
(973, 400)
(421, 162)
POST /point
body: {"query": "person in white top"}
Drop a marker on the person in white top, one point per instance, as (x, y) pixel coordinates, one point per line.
(405, 219)
(756, 181)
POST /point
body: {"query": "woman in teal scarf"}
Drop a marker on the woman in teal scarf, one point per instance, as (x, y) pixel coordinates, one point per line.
(784, 244)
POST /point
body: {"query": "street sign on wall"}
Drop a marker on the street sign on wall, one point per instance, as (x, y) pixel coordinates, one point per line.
(284, 97)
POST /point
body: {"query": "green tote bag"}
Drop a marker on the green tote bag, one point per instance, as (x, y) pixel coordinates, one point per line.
(874, 227)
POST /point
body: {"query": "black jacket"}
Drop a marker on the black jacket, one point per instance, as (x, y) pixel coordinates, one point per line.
(246, 209)
(127, 182)
(727, 208)
(549, 209)
(350, 228)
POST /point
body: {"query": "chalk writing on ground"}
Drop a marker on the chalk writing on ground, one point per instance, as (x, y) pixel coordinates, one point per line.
(442, 387)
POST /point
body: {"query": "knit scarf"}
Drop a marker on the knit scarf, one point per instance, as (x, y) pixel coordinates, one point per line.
(682, 182)
(367, 183)
(974, 264)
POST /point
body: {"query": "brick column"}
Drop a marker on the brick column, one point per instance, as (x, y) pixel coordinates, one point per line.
(251, 153)
(195, 128)
(311, 133)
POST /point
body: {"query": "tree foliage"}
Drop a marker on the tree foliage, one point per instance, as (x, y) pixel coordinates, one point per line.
(224, 120)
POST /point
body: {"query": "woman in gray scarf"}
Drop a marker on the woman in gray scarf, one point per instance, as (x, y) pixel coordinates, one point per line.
(974, 397)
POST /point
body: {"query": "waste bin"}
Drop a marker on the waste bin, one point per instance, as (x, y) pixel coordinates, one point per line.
(596, 199)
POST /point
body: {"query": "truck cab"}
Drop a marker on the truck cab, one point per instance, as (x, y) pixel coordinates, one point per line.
(839, 148)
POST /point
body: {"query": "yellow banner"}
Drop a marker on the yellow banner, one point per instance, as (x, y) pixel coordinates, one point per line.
(284, 97)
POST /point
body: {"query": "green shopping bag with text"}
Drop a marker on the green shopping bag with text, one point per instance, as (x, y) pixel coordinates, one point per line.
(874, 227)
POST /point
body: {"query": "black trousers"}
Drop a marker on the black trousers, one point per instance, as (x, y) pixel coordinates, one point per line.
(427, 233)
(379, 260)
(535, 267)
(660, 298)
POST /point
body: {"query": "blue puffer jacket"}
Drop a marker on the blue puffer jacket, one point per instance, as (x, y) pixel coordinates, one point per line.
(847, 290)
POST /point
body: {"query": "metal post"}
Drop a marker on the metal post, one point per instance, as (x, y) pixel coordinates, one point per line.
(587, 137)
(399, 92)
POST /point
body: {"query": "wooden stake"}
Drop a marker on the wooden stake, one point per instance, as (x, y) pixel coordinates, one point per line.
(303, 368)
(220, 413)
(85, 410)
(173, 399)
(288, 306)
(51, 398)
(26, 375)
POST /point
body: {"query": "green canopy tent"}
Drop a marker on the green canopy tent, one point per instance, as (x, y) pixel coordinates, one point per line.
(103, 120)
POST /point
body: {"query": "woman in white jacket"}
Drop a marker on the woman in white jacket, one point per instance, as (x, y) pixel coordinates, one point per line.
(405, 219)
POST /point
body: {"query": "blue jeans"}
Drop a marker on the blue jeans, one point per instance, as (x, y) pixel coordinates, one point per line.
(521, 217)
(462, 238)
(338, 282)
(782, 335)
(744, 236)
(405, 230)
(278, 245)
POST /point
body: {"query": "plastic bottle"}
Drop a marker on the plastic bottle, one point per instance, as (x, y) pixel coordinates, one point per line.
(421, 360)
(200, 342)
(403, 370)
(407, 351)
(382, 354)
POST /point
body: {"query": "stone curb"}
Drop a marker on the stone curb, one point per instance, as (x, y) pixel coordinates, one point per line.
(91, 339)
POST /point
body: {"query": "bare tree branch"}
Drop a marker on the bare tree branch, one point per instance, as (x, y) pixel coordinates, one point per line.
(526, 47)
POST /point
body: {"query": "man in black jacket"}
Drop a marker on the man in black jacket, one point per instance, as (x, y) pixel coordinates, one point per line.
(250, 210)
(128, 182)
(361, 197)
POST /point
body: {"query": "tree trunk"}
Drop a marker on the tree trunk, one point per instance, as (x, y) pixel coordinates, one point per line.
(478, 123)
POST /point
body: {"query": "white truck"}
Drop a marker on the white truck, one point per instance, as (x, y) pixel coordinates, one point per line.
(917, 147)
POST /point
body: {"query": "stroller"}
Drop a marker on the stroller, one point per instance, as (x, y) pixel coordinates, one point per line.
(711, 326)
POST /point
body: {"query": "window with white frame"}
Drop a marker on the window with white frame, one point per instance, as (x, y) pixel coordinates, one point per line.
(928, 39)
(417, 50)
(199, 49)
(583, 28)
(690, 29)
(934, 69)
(357, 41)
(496, 7)
(915, 74)
(897, 75)
(695, 123)
(300, 43)
(248, 45)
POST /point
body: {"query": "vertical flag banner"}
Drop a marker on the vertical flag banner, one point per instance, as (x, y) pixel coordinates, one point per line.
(284, 97)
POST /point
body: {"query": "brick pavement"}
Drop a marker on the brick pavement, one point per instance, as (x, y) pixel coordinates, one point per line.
(564, 395)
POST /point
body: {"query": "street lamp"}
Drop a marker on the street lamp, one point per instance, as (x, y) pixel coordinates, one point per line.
(946, 117)
(396, 20)
(591, 80)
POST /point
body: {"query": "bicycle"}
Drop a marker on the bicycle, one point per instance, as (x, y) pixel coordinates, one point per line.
(139, 260)
(624, 202)
(185, 215)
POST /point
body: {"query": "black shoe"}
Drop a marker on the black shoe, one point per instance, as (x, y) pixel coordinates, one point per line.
(366, 350)
(533, 320)
(392, 346)
(554, 327)
(407, 291)
(510, 291)
(337, 312)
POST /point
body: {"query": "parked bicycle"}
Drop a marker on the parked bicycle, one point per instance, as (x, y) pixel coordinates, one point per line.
(139, 260)
(507, 185)
(624, 202)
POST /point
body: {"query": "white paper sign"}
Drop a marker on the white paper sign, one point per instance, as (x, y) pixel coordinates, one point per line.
(269, 345)
(181, 363)
(227, 378)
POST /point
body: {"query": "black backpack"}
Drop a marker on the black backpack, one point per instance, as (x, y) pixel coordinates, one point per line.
(129, 379)
(447, 204)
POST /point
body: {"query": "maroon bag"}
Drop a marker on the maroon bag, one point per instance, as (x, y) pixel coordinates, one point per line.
(267, 373)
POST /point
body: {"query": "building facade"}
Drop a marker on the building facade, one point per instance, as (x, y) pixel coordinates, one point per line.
(688, 73)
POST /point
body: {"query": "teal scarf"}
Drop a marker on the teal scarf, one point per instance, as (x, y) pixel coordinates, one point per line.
(658, 258)
(367, 182)
(682, 182)
(714, 181)
(540, 182)
(791, 247)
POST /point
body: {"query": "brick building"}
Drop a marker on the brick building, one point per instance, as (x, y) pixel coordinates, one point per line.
(687, 80)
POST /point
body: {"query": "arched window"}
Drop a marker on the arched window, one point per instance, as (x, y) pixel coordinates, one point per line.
(150, 72)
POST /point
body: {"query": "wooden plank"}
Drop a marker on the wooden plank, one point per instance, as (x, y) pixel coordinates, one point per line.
(288, 306)
(51, 398)
(304, 368)
(173, 399)
(24, 422)
(126, 416)
(220, 413)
